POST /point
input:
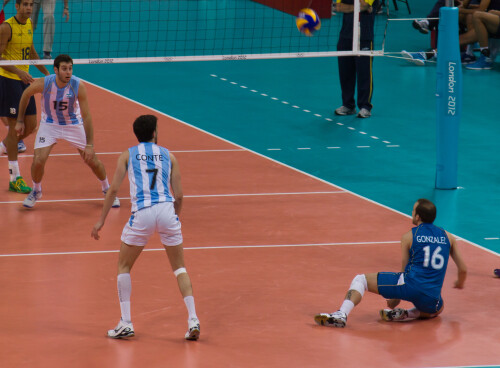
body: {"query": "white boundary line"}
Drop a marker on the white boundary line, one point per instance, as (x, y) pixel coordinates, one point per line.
(273, 160)
(119, 153)
(187, 196)
(203, 248)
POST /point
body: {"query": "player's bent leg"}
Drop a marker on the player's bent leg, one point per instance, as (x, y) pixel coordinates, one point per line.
(175, 255)
(40, 157)
(128, 256)
(11, 140)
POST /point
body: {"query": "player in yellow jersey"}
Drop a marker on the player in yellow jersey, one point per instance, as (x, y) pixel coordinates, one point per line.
(16, 43)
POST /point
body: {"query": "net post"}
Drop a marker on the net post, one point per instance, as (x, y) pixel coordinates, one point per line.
(449, 99)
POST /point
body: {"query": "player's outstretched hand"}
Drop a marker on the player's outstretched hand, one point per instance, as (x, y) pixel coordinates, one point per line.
(95, 231)
(458, 285)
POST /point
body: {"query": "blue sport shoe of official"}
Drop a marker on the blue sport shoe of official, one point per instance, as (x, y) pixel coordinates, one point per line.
(21, 147)
(483, 63)
(417, 58)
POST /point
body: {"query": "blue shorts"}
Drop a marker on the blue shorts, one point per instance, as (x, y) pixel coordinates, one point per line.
(391, 286)
(10, 94)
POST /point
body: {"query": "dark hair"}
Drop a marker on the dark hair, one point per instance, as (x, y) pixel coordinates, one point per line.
(144, 127)
(426, 210)
(62, 59)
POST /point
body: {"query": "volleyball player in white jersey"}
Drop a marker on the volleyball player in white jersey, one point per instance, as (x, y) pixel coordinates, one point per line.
(66, 116)
(156, 196)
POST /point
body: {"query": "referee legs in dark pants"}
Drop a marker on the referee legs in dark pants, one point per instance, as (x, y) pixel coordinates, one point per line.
(352, 69)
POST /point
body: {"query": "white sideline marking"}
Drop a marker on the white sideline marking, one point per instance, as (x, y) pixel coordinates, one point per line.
(187, 196)
(203, 248)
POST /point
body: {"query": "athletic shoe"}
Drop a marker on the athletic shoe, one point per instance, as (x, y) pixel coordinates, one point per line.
(193, 332)
(417, 58)
(32, 198)
(19, 186)
(483, 63)
(116, 202)
(496, 272)
(342, 110)
(21, 147)
(121, 331)
(3, 149)
(467, 59)
(396, 314)
(364, 113)
(336, 319)
(421, 25)
(47, 55)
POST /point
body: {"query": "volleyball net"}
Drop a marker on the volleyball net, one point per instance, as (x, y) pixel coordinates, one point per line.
(126, 31)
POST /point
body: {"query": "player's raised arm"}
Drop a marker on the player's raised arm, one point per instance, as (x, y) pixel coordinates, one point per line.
(120, 172)
(459, 261)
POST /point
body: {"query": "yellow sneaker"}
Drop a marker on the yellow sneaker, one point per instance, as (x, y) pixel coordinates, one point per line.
(19, 186)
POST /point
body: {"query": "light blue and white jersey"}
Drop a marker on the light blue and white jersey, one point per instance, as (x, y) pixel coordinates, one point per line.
(60, 105)
(149, 169)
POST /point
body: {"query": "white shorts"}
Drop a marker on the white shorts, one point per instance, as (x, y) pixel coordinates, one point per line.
(48, 134)
(161, 218)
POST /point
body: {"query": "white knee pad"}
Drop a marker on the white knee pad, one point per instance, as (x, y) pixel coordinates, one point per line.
(359, 284)
(178, 271)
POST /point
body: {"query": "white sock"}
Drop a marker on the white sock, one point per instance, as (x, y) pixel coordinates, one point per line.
(104, 184)
(346, 307)
(37, 187)
(14, 170)
(413, 313)
(124, 284)
(189, 300)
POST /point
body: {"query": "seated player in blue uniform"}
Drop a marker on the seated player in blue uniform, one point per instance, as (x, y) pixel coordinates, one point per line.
(425, 252)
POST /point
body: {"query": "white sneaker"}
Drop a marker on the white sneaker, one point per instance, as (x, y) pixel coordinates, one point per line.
(364, 113)
(337, 319)
(123, 329)
(396, 314)
(342, 110)
(116, 202)
(31, 199)
(193, 332)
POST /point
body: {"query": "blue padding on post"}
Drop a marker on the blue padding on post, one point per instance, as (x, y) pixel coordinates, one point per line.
(449, 99)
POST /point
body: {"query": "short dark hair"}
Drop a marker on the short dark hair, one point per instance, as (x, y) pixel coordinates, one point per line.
(426, 210)
(144, 127)
(62, 59)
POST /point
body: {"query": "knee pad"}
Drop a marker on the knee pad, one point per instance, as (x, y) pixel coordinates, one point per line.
(359, 284)
(178, 271)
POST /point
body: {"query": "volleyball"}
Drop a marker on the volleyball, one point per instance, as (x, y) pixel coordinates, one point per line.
(308, 22)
